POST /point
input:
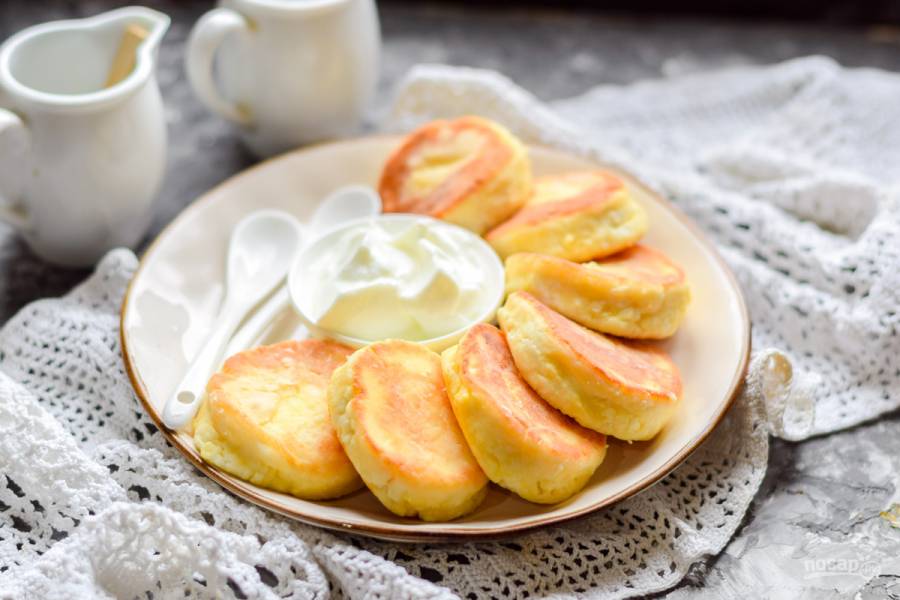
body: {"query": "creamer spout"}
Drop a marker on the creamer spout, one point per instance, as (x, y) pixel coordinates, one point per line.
(151, 23)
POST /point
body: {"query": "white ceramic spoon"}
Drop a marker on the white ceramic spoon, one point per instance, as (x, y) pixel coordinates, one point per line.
(261, 250)
(345, 204)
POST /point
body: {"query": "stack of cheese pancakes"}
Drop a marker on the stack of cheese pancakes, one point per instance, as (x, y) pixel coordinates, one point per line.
(527, 405)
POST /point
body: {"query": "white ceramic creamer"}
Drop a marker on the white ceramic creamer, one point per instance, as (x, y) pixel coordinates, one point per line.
(80, 163)
(291, 71)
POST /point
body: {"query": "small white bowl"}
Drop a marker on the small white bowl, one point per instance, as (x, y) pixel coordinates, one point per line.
(490, 261)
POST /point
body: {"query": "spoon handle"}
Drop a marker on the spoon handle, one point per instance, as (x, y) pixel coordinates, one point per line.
(250, 332)
(182, 405)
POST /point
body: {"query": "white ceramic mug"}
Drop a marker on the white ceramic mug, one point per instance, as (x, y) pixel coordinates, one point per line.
(80, 164)
(291, 71)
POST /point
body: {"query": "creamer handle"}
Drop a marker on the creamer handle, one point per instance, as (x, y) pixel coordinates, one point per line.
(15, 142)
(206, 37)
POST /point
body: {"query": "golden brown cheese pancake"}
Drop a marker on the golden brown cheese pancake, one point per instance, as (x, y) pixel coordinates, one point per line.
(578, 216)
(393, 417)
(265, 420)
(521, 442)
(628, 390)
(469, 171)
(637, 293)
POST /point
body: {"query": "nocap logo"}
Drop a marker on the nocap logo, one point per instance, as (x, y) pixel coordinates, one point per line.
(816, 567)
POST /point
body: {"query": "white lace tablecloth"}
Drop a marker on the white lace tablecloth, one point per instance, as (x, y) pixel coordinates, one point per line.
(791, 169)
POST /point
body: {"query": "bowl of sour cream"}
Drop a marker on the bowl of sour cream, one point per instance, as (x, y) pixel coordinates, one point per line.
(396, 276)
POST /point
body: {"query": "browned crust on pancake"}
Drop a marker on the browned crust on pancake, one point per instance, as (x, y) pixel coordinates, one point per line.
(593, 197)
(638, 367)
(307, 362)
(310, 358)
(645, 263)
(477, 173)
(399, 390)
(487, 365)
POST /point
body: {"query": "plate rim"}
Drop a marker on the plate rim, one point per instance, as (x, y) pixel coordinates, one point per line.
(435, 534)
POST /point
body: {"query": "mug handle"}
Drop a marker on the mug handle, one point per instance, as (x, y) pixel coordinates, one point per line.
(206, 37)
(14, 147)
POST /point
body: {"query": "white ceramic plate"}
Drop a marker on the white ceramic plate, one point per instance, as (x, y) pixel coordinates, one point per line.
(177, 289)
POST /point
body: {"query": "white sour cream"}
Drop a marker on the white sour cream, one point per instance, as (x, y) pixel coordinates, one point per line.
(398, 276)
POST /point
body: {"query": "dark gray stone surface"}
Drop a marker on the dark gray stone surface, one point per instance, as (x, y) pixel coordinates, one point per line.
(814, 531)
